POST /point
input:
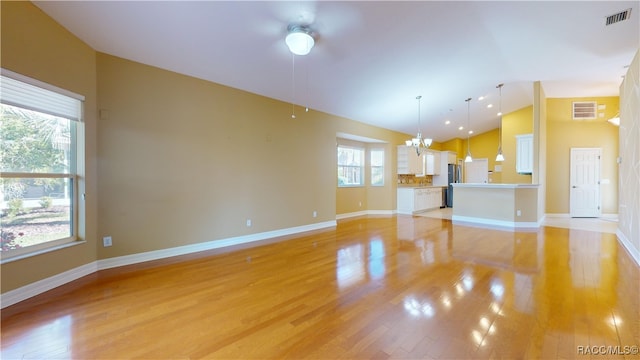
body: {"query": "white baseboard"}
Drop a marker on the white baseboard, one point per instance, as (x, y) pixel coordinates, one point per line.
(626, 243)
(498, 224)
(567, 216)
(364, 213)
(39, 287)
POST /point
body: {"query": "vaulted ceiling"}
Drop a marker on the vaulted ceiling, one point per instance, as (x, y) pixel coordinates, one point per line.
(372, 58)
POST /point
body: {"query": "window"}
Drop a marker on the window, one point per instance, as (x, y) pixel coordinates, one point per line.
(40, 126)
(377, 167)
(350, 166)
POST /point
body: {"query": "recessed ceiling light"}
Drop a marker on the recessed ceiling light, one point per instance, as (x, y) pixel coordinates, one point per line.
(481, 98)
(489, 106)
(447, 122)
(470, 131)
(461, 128)
(499, 114)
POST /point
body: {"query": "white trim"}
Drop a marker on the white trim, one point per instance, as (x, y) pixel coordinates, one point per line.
(520, 225)
(41, 84)
(608, 216)
(635, 253)
(14, 296)
(209, 245)
(350, 215)
(557, 215)
(365, 213)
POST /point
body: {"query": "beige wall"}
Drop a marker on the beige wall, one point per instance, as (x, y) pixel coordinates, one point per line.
(563, 133)
(518, 122)
(185, 161)
(36, 46)
(629, 152)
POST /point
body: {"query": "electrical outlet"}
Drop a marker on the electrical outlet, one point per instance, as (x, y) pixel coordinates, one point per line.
(360, 203)
(107, 241)
(518, 213)
(315, 213)
(248, 222)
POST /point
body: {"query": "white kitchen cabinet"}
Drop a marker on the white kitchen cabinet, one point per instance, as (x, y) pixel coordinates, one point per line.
(524, 154)
(432, 163)
(415, 200)
(408, 161)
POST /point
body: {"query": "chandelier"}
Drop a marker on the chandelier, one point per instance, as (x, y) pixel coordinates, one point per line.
(420, 144)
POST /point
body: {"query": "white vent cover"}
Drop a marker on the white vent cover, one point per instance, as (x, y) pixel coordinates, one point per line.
(584, 110)
(615, 18)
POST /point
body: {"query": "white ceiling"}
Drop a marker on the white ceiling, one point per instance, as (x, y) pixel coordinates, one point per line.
(372, 58)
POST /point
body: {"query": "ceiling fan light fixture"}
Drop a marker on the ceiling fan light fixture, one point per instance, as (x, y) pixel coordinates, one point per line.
(299, 39)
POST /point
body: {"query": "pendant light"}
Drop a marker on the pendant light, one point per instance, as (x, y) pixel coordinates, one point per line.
(468, 158)
(500, 157)
(420, 144)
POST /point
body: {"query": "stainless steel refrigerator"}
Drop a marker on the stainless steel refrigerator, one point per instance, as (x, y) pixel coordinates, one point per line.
(454, 177)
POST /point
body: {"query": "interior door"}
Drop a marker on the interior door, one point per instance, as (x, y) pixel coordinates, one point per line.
(584, 194)
(477, 171)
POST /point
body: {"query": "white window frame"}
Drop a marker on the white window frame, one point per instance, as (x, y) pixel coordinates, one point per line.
(360, 167)
(32, 94)
(381, 167)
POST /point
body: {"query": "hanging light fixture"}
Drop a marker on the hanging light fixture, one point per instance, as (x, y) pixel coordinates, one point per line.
(299, 39)
(420, 144)
(468, 158)
(500, 157)
(615, 120)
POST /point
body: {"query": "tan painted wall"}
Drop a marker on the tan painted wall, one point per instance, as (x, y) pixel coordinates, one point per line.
(563, 133)
(186, 161)
(36, 46)
(485, 146)
(515, 123)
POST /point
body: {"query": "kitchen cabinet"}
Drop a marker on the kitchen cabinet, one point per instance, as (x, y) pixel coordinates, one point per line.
(408, 161)
(415, 200)
(524, 154)
(432, 162)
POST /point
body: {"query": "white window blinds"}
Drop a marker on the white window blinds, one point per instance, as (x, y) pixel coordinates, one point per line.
(22, 91)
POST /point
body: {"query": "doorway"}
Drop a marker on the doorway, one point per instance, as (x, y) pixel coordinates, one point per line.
(584, 193)
(477, 171)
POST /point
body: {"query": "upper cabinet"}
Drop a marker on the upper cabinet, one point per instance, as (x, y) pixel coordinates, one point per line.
(524, 154)
(432, 162)
(409, 162)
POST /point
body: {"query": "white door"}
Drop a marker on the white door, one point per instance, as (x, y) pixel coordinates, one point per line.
(477, 171)
(584, 194)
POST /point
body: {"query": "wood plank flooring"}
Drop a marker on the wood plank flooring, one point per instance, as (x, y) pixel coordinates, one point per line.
(373, 287)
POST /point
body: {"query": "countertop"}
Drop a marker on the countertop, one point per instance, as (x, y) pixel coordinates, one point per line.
(495, 186)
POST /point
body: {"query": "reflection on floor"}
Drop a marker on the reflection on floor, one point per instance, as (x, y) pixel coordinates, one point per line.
(378, 287)
(603, 225)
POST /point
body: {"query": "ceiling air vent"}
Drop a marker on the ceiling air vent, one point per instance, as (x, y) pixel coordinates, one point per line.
(584, 110)
(621, 16)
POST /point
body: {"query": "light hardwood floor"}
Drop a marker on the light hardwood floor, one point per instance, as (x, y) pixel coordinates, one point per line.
(373, 287)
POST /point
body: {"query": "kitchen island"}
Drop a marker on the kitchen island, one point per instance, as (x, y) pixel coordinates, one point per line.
(498, 205)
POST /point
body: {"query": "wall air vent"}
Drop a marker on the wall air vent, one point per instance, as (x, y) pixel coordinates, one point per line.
(584, 110)
(615, 18)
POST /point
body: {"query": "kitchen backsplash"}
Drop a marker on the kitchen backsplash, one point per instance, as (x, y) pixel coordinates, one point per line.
(412, 180)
